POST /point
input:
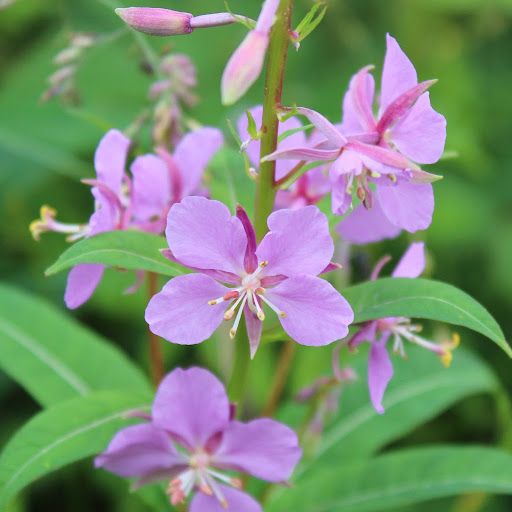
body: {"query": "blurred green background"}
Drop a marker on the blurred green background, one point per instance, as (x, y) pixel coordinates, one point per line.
(46, 148)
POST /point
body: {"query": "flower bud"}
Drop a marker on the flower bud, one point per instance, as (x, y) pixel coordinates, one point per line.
(156, 22)
(244, 67)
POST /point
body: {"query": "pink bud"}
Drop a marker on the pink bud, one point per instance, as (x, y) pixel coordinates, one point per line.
(244, 67)
(156, 22)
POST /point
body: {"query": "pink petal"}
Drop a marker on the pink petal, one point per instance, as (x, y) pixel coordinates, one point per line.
(398, 74)
(316, 313)
(298, 139)
(263, 448)
(340, 200)
(367, 333)
(238, 501)
(180, 313)
(140, 450)
(308, 154)
(383, 155)
(362, 87)
(191, 404)
(193, 153)
(254, 328)
(409, 206)
(421, 133)
(106, 214)
(363, 226)
(380, 371)
(82, 281)
(299, 242)
(412, 262)
(152, 187)
(203, 234)
(324, 126)
(110, 159)
(250, 259)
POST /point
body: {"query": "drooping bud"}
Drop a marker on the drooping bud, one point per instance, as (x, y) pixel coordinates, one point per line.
(156, 21)
(244, 67)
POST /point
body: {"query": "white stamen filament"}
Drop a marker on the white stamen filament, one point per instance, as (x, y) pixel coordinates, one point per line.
(228, 314)
(274, 308)
(413, 338)
(233, 330)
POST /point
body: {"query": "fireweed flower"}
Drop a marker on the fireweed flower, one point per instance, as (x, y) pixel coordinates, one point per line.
(379, 332)
(312, 186)
(140, 202)
(381, 150)
(280, 273)
(192, 440)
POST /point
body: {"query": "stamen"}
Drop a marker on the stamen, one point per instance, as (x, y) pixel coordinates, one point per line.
(228, 315)
(232, 332)
(375, 174)
(206, 489)
(274, 308)
(215, 488)
(237, 483)
(392, 177)
(233, 294)
(256, 304)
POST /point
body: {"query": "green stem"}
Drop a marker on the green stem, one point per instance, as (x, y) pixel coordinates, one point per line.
(240, 373)
(276, 63)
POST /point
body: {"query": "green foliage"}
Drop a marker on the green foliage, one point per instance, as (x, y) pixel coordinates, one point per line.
(122, 249)
(399, 478)
(65, 433)
(54, 357)
(422, 298)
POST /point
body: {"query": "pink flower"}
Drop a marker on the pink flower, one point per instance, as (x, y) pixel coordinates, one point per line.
(140, 202)
(378, 332)
(192, 439)
(280, 273)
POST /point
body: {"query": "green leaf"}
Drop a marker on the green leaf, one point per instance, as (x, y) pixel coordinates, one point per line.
(422, 298)
(400, 478)
(124, 249)
(53, 357)
(66, 433)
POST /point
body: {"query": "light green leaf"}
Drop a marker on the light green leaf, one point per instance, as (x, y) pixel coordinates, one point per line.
(124, 249)
(53, 357)
(422, 298)
(66, 433)
(400, 478)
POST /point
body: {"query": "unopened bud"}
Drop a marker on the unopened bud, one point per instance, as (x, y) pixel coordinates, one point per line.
(244, 67)
(156, 21)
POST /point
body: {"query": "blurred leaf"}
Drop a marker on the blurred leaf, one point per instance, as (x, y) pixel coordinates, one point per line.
(53, 357)
(399, 478)
(67, 432)
(124, 249)
(422, 298)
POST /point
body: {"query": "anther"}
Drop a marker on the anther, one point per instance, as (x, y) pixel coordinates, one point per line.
(282, 314)
(206, 489)
(237, 483)
(177, 497)
(212, 302)
(263, 264)
(261, 315)
(259, 291)
(229, 314)
(361, 193)
(392, 177)
(375, 174)
(231, 295)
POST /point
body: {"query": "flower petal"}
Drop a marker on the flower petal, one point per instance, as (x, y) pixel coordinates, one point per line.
(264, 448)
(191, 404)
(421, 133)
(409, 206)
(110, 159)
(299, 242)
(358, 101)
(316, 313)
(398, 74)
(363, 226)
(82, 281)
(180, 313)
(238, 501)
(250, 259)
(412, 262)
(307, 154)
(203, 234)
(297, 139)
(324, 126)
(254, 327)
(380, 371)
(140, 450)
(367, 333)
(192, 155)
(152, 187)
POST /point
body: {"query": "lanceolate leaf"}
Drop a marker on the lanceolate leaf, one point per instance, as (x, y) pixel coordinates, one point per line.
(422, 298)
(124, 249)
(65, 433)
(400, 478)
(53, 357)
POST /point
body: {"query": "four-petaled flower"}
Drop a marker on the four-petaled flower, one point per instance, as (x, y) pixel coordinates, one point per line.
(378, 332)
(280, 272)
(192, 440)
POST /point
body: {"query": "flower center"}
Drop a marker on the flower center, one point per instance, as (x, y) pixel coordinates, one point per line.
(200, 475)
(251, 293)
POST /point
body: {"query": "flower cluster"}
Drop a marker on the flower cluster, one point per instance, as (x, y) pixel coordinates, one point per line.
(192, 440)
(138, 202)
